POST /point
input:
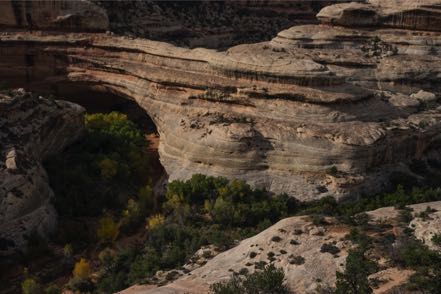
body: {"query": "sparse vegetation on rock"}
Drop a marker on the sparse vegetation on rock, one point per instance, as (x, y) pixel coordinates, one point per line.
(270, 280)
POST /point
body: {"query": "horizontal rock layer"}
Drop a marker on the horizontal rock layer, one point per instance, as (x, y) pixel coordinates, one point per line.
(31, 128)
(319, 110)
(213, 24)
(53, 14)
(405, 14)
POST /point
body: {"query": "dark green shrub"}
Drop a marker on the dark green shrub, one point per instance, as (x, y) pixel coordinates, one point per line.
(354, 280)
(329, 248)
(270, 280)
(436, 239)
(298, 260)
(319, 220)
(276, 239)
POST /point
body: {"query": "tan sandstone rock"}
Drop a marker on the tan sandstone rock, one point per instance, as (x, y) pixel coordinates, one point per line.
(317, 111)
(53, 14)
(31, 128)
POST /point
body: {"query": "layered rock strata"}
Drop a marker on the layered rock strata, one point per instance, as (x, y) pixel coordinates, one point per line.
(31, 128)
(403, 14)
(53, 14)
(319, 110)
(213, 24)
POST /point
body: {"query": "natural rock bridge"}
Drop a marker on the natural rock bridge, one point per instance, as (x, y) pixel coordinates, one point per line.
(319, 110)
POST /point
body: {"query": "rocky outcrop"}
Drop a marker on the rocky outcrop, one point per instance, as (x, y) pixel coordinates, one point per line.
(296, 245)
(53, 14)
(293, 244)
(212, 24)
(317, 111)
(427, 223)
(403, 14)
(31, 128)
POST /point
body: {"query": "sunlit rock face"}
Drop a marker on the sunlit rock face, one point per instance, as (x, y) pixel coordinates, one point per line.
(31, 128)
(403, 14)
(320, 110)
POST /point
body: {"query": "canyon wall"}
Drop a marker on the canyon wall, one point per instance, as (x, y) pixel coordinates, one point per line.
(210, 24)
(31, 128)
(53, 14)
(319, 110)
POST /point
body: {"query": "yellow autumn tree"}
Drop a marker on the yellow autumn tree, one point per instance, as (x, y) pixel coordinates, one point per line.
(108, 229)
(156, 221)
(82, 269)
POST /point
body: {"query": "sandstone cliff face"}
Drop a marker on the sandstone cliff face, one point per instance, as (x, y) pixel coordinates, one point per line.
(53, 14)
(31, 128)
(213, 24)
(319, 110)
(405, 14)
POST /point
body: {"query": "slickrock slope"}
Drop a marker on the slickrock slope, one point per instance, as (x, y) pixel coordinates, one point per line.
(283, 243)
(319, 110)
(31, 128)
(426, 227)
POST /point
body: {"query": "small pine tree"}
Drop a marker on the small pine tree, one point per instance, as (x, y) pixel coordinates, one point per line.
(354, 280)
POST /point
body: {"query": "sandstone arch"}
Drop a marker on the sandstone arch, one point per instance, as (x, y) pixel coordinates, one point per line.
(284, 121)
(320, 110)
(278, 114)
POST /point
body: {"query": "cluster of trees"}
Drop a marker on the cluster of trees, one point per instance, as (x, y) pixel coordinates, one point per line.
(108, 163)
(223, 202)
(200, 211)
(111, 163)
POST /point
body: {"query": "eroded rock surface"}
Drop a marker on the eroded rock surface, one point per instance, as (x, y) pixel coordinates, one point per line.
(293, 244)
(65, 15)
(319, 110)
(405, 14)
(212, 24)
(428, 224)
(31, 128)
(283, 243)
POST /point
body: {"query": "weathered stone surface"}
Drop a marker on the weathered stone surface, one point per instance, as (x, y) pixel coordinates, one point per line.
(317, 111)
(213, 24)
(31, 128)
(426, 227)
(297, 238)
(77, 15)
(405, 14)
(318, 270)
